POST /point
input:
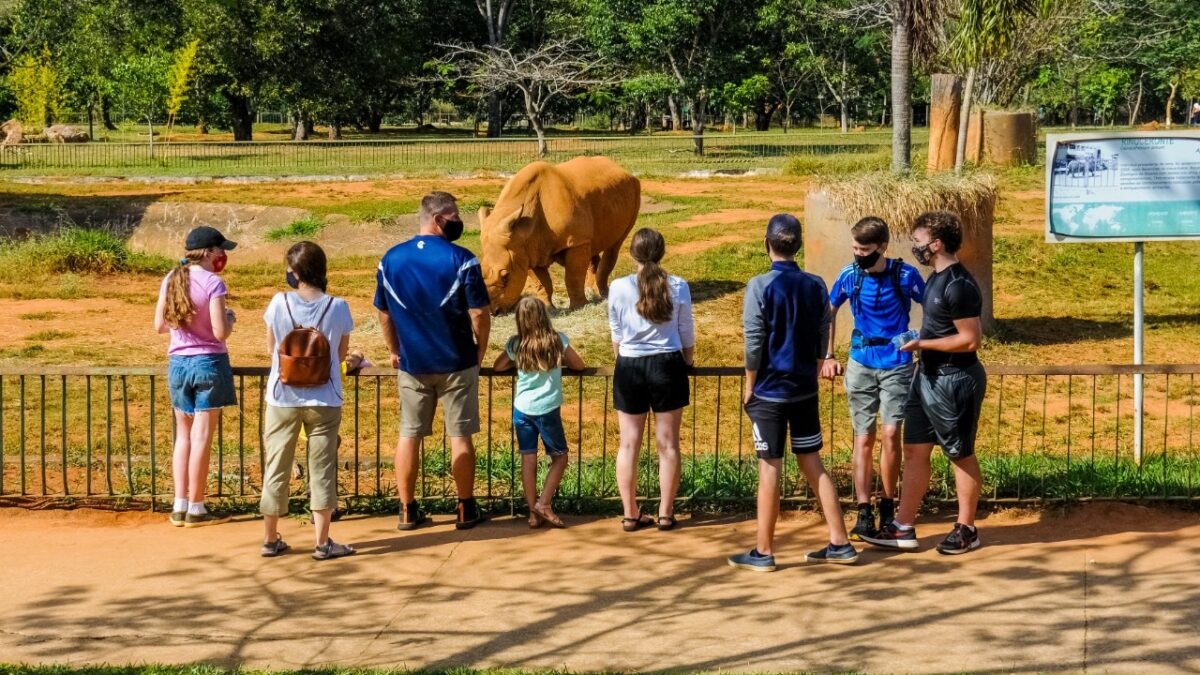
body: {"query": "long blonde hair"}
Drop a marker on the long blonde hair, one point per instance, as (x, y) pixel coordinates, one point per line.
(538, 345)
(654, 294)
(179, 310)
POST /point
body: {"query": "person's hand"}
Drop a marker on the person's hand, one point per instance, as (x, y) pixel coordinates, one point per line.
(911, 346)
(831, 369)
(230, 316)
(396, 361)
(747, 393)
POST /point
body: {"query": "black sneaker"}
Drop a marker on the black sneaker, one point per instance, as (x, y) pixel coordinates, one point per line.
(961, 539)
(753, 561)
(469, 514)
(887, 511)
(177, 518)
(411, 517)
(839, 555)
(205, 519)
(865, 524)
(890, 536)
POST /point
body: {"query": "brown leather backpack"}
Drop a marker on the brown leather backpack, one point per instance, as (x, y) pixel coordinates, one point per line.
(304, 359)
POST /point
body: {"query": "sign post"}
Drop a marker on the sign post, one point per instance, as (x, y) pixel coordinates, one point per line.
(1125, 187)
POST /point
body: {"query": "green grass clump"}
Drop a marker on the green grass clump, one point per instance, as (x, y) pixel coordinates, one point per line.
(75, 250)
(297, 229)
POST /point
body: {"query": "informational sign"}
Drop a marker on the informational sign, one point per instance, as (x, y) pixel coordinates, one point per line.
(1135, 186)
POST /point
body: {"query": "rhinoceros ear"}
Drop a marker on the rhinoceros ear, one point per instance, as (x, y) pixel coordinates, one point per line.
(484, 212)
(508, 223)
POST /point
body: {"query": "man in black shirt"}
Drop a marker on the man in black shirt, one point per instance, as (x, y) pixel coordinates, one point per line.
(947, 392)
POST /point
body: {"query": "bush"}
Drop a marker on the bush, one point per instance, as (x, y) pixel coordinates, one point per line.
(298, 229)
(77, 251)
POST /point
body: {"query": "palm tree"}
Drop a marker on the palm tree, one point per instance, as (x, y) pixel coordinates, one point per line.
(918, 32)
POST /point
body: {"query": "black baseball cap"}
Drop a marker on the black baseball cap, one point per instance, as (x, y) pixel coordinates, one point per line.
(207, 237)
(783, 224)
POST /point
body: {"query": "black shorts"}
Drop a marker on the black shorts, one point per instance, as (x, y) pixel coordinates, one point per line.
(943, 408)
(657, 382)
(770, 421)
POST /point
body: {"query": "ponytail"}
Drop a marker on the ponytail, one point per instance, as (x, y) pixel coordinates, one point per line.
(179, 310)
(654, 293)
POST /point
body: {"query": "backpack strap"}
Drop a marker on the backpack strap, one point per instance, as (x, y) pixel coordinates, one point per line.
(898, 284)
(288, 306)
(858, 284)
(297, 326)
(328, 304)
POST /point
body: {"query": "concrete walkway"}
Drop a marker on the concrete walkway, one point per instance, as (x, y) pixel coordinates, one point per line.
(1101, 588)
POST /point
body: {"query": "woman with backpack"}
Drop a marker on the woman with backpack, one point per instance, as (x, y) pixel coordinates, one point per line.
(308, 337)
(191, 307)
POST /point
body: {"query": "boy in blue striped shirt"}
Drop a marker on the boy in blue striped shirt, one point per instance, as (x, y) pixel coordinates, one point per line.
(786, 318)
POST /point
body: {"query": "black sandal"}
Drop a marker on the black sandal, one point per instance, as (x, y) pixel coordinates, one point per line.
(635, 524)
(667, 523)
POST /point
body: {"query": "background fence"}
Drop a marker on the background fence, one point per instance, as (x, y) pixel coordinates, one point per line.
(1047, 433)
(662, 153)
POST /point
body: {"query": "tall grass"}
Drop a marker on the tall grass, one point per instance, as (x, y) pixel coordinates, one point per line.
(74, 250)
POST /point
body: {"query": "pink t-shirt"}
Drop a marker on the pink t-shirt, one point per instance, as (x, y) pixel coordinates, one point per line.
(197, 336)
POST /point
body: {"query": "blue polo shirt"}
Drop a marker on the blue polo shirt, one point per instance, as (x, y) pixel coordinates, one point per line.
(878, 311)
(427, 285)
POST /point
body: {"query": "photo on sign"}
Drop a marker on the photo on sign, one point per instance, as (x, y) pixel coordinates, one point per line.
(1083, 165)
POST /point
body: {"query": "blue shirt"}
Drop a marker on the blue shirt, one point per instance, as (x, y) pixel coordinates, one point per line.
(786, 321)
(879, 313)
(427, 285)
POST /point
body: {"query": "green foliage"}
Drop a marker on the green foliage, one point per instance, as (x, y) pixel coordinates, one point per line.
(141, 84)
(74, 250)
(177, 78)
(37, 87)
(297, 229)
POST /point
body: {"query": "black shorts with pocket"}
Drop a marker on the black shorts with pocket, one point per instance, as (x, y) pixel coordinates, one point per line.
(657, 382)
(943, 407)
(771, 420)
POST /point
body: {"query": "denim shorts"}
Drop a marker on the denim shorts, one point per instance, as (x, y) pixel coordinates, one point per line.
(549, 427)
(201, 382)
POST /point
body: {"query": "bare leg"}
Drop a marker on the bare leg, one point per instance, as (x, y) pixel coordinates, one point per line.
(406, 468)
(863, 465)
(632, 428)
(967, 482)
(822, 485)
(916, 481)
(529, 467)
(462, 458)
(768, 503)
(203, 427)
(558, 466)
(321, 525)
(666, 438)
(179, 460)
(270, 528)
(889, 460)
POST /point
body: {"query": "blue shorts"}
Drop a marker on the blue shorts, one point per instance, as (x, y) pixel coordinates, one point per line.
(549, 427)
(199, 383)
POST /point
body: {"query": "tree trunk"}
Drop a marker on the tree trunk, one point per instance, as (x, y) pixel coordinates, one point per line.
(374, 121)
(883, 113)
(901, 96)
(844, 99)
(964, 117)
(495, 116)
(762, 117)
(698, 105)
(1171, 101)
(243, 117)
(676, 118)
(787, 116)
(91, 131)
(106, 115)
(300, 132)
(335, 130)
(945, 94)
(535, 121)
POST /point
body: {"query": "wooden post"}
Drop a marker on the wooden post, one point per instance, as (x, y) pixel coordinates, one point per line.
(945, 104)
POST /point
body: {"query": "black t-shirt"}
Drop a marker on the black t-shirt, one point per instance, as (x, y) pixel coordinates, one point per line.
(949, 295)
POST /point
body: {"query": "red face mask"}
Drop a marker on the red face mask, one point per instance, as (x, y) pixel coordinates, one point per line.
(219, 263)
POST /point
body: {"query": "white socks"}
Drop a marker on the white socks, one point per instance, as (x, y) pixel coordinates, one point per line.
(196, 509)
(181, 504)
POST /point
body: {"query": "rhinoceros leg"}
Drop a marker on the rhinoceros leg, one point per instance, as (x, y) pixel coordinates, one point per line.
(608, 260)
(576, 261)
(545, 291)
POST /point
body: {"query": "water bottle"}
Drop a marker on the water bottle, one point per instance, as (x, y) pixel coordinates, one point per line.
(905, 338)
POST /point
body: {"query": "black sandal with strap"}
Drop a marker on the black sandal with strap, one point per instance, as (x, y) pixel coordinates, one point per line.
(635, 524)
(667, 523)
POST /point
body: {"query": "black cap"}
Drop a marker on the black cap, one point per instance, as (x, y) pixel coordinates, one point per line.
(207, 237)
(783, 223)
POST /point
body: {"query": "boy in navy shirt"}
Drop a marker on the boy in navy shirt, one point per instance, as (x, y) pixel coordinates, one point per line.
(786, 318)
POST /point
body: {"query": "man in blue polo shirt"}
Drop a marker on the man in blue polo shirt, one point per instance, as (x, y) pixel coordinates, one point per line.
(880, 291)
(435, 315)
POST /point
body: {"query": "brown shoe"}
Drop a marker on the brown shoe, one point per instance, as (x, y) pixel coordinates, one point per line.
(411, 517)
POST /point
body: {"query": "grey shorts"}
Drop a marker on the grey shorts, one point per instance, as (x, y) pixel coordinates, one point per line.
(944, 409)
(872, 391)
(419, 396)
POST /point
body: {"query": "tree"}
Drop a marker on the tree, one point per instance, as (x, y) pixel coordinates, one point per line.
(496, 15)
(177, 81)
(551, 71)
(141, 87)
(36, 85)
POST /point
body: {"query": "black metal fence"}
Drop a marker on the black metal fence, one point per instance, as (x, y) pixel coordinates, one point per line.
(668, 152)
(1047, 433)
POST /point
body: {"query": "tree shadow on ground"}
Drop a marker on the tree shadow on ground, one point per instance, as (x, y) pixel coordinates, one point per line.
(1057, 330)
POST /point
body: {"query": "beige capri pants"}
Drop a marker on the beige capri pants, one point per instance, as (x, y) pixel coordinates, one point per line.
(281, 431)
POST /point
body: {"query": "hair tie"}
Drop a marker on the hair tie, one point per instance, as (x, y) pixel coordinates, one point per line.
(183, 262)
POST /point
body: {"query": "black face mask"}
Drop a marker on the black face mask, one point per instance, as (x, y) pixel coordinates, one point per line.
(292, 280)
(866, 262)
(922, 254)
(452, 229)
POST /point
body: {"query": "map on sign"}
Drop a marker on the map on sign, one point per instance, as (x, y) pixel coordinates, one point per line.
(1123, 187)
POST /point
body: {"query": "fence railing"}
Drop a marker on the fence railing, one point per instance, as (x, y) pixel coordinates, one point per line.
(671, 152)
(1046, 433)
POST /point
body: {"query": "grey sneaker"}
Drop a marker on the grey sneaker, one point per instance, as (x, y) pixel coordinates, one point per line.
(753, 561)
(962, 539)
(838, 555)
(205, 519)
(177, 518)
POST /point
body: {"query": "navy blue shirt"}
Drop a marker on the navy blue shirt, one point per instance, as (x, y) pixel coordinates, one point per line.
(427, 285)
(878, 312)
(786, 320)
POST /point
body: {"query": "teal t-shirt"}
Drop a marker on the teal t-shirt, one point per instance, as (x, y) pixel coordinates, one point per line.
(540, 391)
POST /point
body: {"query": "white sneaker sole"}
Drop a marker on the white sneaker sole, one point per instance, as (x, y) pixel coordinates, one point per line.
(970, 547)
(752, 568)
(905, 544)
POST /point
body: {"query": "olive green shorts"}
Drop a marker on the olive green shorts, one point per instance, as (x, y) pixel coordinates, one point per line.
(458, 393)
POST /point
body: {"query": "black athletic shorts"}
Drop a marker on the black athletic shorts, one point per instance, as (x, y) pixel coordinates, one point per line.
(770, 421)
(943, 407)
(657, 382)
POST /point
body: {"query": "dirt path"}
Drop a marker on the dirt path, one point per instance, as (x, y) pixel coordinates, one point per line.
(1103, 588)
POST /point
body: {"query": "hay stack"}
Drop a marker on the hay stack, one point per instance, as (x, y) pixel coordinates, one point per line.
(834, 207)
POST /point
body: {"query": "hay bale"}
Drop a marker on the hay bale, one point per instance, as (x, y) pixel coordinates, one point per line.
(834, 207)
(1001, 138)
(944, 113)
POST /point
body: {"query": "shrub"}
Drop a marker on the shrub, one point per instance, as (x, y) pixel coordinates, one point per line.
(298, 229)
(77, 251)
